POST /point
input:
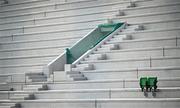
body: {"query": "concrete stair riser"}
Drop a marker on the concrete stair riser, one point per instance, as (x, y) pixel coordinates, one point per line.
(136, 63)
(146, 43)
(89, 17)
(153, 34)
(152, 8)
(14, 6)
(131, 74)
(55, 35)
(107, 93)
(149, 17)
(52, 9)
(10, 105)
(132, 54)
(32, 52)
(20, 69)
(111, 84)
(39, 44)
(6, 62)
(128, 103)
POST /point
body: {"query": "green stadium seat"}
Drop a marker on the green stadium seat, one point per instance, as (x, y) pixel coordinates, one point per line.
(148, 83)
(152, 83)
(143, 82)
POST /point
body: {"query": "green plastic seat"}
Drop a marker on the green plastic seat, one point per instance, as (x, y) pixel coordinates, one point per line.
(148, 83)
(143, 82)
(152, 83)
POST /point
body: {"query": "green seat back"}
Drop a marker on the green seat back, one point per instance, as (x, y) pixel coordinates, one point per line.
(143, 81)
(152, 81)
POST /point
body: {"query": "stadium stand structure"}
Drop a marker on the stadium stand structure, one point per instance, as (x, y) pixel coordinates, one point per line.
(35, 33)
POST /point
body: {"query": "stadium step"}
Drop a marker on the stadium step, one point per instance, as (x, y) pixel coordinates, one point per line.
(10, 105)
(35, 87)
(22, 97)
(101, 103)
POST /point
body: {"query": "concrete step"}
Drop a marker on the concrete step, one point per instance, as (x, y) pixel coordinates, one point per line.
(14, 6)
(80, 67)
(43, 51)
(144, 43)
(5, 87)
(10, 105)
(96, 7)
(160, 72)
(37, 76)
(158, 2)
(76, 75)
(5, 61)
(149, 8)
(12, 45)
(120, 38)
(79, 78)
(109, 83)
(96, 57)
(28, 5)
(30, 52)
(22, 97)
(54, 8)
(103, 103)
(107, 93)
(170, 92)
(36, 36)
(35, 87)
(134, 63)
(108, 47)
(90, 17)
(37, 79)
(146, 17)
(153, 33)
(139, 52)
(20, 68)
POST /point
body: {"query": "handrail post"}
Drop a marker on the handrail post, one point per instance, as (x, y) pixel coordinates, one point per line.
(150, 62)
(163, 49)
(137, 70)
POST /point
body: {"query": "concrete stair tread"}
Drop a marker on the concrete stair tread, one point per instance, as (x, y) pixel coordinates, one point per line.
(36, 77)
(74, 72)
(137, 49)
(92, 90)
(135, 69)
(37, 80)
(92, 100)
(9, 105)
(136, 59)
(97, 81)
(151, 30)
(38, 86)
(37, 73)
(150, 6)
(146, 14)
(76, 75)
(140, 40)
(35, 87)
(17, 98)
(79, 78)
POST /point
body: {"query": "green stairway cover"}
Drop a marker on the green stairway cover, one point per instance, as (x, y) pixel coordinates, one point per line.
(90, 41)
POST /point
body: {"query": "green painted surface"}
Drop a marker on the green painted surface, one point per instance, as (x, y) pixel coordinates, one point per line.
(90, 41)
(148, 83)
